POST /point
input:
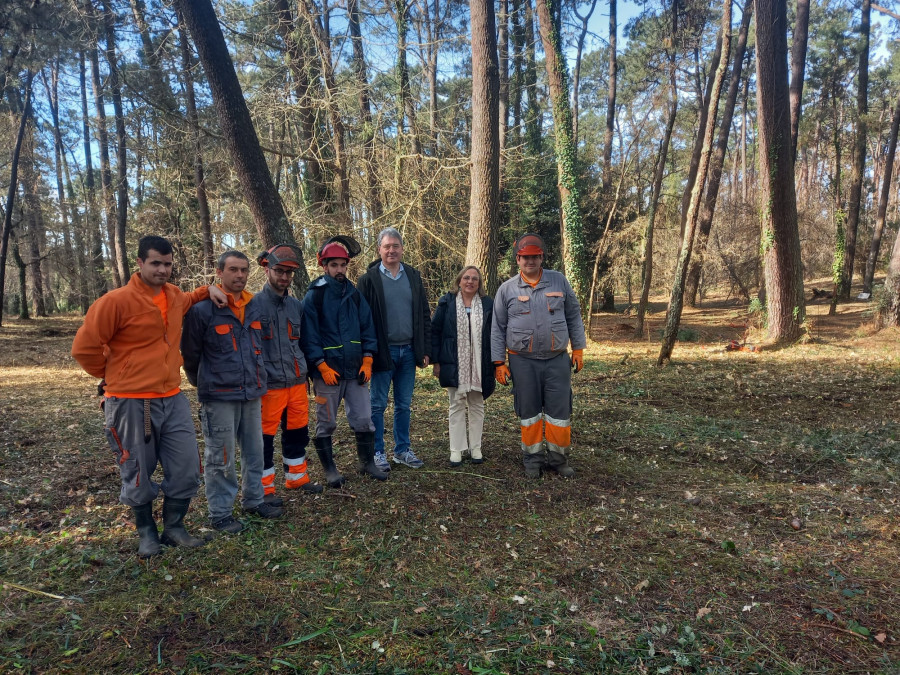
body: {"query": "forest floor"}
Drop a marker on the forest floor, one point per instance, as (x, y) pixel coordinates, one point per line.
(733, 512)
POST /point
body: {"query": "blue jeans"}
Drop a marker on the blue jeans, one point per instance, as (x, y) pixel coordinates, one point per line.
(227, 424)
(403, 375)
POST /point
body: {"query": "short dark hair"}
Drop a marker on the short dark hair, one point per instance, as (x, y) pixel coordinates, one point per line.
(220, 263)
(153, 243)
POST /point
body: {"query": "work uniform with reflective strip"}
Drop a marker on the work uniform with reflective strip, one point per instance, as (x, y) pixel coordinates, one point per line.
(286, 404)
(535, 325)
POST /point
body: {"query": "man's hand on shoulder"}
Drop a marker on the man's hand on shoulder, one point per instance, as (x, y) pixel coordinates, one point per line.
(217, 295)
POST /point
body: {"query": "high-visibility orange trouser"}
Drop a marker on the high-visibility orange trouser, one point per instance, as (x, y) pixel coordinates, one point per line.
(288, 408)
(542, 397)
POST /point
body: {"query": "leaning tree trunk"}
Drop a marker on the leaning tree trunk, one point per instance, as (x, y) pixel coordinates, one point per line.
(798, 69)
(11, 192)
(859, 154)
(484, 195)
(718, 160)
(702, 123)
(237, 128)
(676, 301)
(778, 200)
(875, 248)
(574, 249)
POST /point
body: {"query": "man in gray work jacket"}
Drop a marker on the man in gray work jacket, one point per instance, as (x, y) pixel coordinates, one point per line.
(536, 317)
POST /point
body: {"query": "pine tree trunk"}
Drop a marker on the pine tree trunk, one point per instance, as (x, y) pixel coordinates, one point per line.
(485, 171)
(778, 206)
(574, 250)
(109, 202)
(610, 98)
(875, 248)
(121, 150)
(798, 69)
(890, 314)
(859, 154)
(11, 192)
(92, 221)
(209, 256)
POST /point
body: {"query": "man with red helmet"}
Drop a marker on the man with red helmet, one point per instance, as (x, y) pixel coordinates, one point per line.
(339, 341)
(536, 316)
(286, 403)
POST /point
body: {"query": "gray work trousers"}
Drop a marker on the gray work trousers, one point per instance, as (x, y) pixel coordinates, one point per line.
(227, 424)
(357, 405)
(172, 442)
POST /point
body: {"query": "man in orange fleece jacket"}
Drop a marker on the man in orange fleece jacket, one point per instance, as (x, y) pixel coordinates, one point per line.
(130, 340)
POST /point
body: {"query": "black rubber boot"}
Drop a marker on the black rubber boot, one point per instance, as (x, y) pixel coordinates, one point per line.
(174, 534)
(146, 528)
(534, 463)
(559, 463)
(365, 450)
(326, 455)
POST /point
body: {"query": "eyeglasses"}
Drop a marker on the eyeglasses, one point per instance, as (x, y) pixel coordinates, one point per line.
(471, 279)
(281, 272)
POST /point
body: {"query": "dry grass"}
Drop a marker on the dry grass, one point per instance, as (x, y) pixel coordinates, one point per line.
(733, 513)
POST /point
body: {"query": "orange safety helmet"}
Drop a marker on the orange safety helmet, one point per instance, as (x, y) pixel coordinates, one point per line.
(281, 254)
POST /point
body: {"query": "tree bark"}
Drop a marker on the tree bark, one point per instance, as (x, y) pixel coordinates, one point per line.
(365, 110)
(121, 150)
(109, 202)
(703, 120)
(240, 135)
(890, 313)
(859, 154)
(574, 249)
(532, 110)
(778, 205)
(878, 233)
(92, 224)
(610, 98)
(673, 315)
(798, 69)
(485, 170)
(11, 192)
(718, 160)
(187, 72)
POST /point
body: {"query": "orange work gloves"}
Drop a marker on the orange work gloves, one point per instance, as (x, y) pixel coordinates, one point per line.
(502, 373)
(328, 374)
(577, 359)
(365, 371)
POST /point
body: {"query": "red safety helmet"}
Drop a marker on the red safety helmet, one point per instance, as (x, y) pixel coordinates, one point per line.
(529, 244)
(281, 254)
(338, 247)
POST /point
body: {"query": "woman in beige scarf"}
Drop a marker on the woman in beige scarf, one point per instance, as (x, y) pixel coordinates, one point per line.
(461, 345)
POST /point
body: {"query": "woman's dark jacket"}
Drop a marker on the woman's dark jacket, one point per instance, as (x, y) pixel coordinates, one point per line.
(444, 343)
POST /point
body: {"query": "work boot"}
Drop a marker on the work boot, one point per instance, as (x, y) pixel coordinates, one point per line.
(325, 450)
(560, 464)
(365, 450)
(174, 534)
(273, 500)
(312, 488)
(146, 528)
(533, 463)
